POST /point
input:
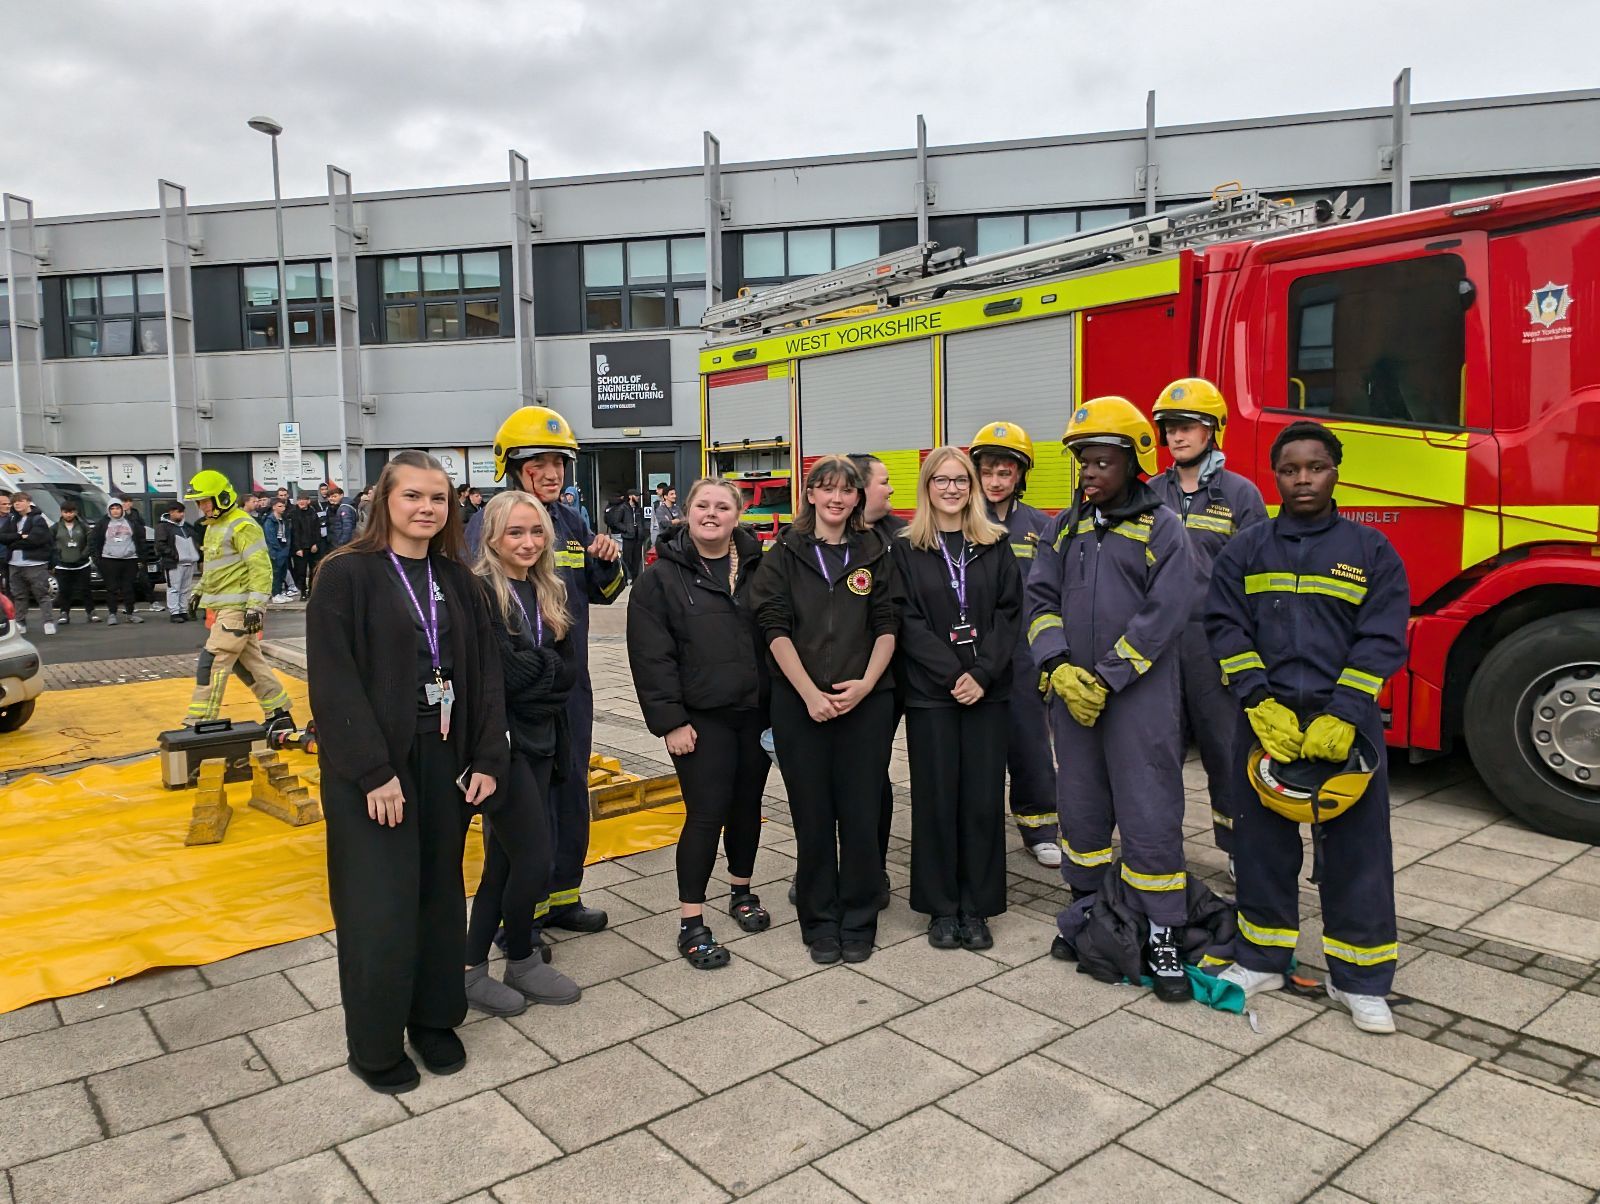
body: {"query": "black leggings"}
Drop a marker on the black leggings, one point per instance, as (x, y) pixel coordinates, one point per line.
(516, 861)
(722, 782)
(398, 904)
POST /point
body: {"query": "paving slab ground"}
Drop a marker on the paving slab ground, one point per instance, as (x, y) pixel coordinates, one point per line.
(919, 1075)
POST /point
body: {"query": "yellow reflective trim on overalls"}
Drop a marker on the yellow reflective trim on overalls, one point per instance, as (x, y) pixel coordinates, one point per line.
(1357, 955)
(1093, 858)
(1141, 664)
(1139, 881)
(1041, 625)
(1280, 938)
(1357, 680)
(1240, 661)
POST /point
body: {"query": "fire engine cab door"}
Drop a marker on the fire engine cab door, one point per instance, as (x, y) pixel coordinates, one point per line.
(1389, 346)
(877, 400)
(748, 405)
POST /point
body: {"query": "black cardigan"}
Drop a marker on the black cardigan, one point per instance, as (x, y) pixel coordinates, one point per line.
(927, 660)
(362, 690)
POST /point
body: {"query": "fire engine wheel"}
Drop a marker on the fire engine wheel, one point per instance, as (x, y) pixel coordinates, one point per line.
(1533, 724)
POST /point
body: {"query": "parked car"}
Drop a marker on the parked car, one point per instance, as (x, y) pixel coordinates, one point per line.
(21, 680)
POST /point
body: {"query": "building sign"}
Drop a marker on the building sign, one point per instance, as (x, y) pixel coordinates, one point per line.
(480, 467)
(97, 469)
(264, 472)
(127, 475)
(313, 470)
(631, 383)
(163, 473)
(454, 460)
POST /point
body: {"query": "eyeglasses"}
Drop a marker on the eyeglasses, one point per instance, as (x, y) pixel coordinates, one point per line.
(959, 484)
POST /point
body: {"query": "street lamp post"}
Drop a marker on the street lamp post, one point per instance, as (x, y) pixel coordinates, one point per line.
(269, 127)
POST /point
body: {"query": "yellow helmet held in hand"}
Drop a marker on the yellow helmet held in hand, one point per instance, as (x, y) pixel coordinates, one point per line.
(1308, 791)
(210, 483)
(1003, 439)
(531, 431)
(1195, 399)
(1113, 420)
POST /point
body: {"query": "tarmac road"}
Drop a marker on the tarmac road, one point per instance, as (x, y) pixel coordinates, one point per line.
(157, 636)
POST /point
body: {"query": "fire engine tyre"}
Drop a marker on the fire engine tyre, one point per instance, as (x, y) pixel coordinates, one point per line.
(1533, 724)
(15, 715)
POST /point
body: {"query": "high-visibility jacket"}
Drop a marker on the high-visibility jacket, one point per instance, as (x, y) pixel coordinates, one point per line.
(1225, 504)
(238, 572)
(1312, 613)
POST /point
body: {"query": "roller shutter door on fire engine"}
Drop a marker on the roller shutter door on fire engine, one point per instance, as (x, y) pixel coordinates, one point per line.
(749, 404)
(1019, 373)
(878, 400)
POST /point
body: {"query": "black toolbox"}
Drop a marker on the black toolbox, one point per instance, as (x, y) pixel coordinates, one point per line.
(184, 748)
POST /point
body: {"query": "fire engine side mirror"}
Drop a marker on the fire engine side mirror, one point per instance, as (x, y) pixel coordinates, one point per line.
(1469, 294)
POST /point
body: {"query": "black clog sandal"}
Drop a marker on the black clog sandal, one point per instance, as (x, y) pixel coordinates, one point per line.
(749, 914)
(700, 948)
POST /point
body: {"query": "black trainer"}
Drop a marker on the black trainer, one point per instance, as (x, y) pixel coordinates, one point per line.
(944, 932)
(577, 918)
(1166, 967)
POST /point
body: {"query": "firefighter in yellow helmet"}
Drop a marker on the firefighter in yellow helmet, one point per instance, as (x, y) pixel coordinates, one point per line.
(532, 451)
(234, 588)
(1003, 454)
(1215, 504)
(1111, 588)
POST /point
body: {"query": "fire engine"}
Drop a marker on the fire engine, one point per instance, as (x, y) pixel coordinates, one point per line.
(1455, 350)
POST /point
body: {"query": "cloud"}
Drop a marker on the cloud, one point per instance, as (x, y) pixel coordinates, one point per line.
(104, 97)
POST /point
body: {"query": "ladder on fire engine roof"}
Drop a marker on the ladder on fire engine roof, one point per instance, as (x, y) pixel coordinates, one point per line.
(924, 270)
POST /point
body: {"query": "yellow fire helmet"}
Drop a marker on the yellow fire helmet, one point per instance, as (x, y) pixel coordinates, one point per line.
(1113, 420)
(1308, 791)
(1003, 439)
(1195, 399)
(210, 483)
(528, 432)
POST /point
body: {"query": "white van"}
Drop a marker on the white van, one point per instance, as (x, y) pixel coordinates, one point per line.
(49, 482)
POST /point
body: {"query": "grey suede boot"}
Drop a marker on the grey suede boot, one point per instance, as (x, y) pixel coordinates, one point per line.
(540, 982)
(493, 998)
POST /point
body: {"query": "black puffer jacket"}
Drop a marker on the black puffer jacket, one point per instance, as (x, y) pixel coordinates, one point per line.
(1107, 934)
(691, 645)
(833, 619)
(538, 680)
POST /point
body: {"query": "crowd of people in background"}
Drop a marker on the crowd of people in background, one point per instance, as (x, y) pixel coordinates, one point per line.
(71, 563)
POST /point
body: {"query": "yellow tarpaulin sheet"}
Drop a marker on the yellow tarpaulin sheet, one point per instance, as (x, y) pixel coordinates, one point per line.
(96, 883)
(102, 722)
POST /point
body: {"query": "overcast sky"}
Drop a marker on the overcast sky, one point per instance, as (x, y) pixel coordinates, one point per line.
(99, 98)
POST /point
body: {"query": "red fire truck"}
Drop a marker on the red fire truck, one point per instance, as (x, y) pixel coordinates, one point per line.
(1455, 350)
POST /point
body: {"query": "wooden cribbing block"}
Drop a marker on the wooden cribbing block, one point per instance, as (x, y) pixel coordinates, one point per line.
(278, 790)
(208, 824)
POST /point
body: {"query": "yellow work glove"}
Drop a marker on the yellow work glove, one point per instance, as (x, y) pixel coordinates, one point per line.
(1085, 697)
(1275, 726)
(1044, 683)
(1328, 739)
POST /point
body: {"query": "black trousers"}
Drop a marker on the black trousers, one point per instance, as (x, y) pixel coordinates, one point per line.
(73, 590)
(958, 808)
(886, 802)
(398, 905)
(569, 802)
(143, 590)
(633, 557)
(722, 781)
(515, 886)
(833, 773)
(303, 569)
(119, 576)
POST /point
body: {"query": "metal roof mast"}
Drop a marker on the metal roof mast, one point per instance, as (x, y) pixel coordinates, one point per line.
(924, 270)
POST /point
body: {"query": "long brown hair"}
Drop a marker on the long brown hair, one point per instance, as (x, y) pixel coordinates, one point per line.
(548, 589)
(827, 471)
(448, 541)
(976, 525)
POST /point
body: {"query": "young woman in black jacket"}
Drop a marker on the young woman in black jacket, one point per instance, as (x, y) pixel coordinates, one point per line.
(825, 598)
(405, 686)
(701, 677)
(528, 613)
(963, 605)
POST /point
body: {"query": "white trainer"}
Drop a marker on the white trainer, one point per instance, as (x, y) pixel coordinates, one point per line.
(1252, 982)
(49, 629)
(1047, 853)
(1370, 1012)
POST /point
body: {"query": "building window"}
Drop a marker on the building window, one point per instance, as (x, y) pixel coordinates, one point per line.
(775, 256)
(454, 295)
(122, 314)
(649, 284)
(1384, 342)
(1015, 230)
(310, 291)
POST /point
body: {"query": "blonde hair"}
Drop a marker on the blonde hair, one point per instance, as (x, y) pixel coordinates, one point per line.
(716, 483)
(976, 525)
(548, 589)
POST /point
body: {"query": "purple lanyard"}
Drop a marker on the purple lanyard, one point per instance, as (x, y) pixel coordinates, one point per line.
(538, 619)
(822, 564)
(430, 621)
(958, 576)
